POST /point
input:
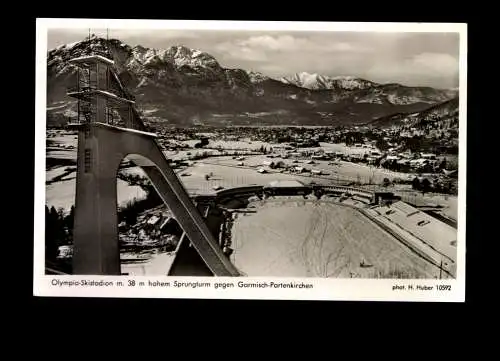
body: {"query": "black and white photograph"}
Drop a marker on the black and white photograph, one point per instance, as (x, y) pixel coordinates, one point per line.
(276, 151)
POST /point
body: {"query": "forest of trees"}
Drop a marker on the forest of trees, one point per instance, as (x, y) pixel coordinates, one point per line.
(58, 231)
(424, 185)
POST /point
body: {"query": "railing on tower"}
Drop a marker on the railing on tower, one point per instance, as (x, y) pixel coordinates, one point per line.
(86, 112)
(119, 109)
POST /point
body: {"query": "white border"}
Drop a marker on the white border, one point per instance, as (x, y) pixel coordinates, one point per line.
(323, 289)
(247, 25)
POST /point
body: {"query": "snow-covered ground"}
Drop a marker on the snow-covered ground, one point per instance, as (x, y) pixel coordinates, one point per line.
(231, 144)
(62, 194)
(64, 139)
(133, 171)
(227, 172)
(344, 149)
(310, 239)
(229, 176)
(55, 172)
(156, 265)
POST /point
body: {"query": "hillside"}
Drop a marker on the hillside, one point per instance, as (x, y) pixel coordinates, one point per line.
(183, 86)
(442, 116)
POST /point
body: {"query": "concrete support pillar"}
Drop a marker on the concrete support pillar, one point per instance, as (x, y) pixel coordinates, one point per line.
(95, 234)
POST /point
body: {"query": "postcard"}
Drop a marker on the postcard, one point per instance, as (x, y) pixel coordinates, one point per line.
(250, 160)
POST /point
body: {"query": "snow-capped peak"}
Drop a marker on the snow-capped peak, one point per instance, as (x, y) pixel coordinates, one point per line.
(181, 55)
(256, 77)
(316, 81)
(305, 80)
(178, 55)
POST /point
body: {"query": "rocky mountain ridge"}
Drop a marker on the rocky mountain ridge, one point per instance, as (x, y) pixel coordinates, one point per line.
(183, 86)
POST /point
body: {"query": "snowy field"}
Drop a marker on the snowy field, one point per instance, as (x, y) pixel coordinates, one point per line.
(64, 139)
(342, 148)
(335, 171)
(69, 154)
(309, 239)
(137, 171)
(60, 143)
(154, 265)
(62, 194)
(227, 177)
(54, 172)
(231, 144)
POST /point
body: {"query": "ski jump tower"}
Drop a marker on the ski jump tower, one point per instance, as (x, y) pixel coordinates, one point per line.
(110, 129)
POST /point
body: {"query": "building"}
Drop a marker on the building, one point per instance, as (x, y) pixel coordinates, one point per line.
(286, 187)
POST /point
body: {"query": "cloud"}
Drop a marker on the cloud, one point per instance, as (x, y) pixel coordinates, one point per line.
(280, 43)
(273, 69)
(379, 59)
(434, 64)
(430, 69)
(231, 51)
(261, 48)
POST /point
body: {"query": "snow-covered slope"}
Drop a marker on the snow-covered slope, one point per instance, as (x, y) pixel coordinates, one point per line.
(442, 116)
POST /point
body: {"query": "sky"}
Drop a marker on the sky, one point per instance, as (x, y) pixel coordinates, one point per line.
(414, 59)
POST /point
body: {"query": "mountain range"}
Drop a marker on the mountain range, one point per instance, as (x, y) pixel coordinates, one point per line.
(184, 87)
(316, 81)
